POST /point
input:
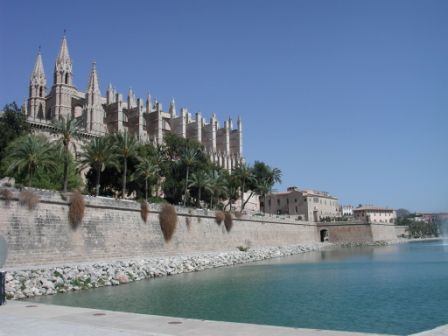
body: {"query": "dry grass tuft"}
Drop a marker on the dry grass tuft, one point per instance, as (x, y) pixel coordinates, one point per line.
(144, 211)
(30, 199)
(76, 210)
(7, 196)
(219, 217)
(228, 221)
(168, 221)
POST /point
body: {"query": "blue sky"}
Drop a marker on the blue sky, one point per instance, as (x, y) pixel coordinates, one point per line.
(349, 97)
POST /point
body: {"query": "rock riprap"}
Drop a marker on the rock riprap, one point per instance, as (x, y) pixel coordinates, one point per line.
(52, 280)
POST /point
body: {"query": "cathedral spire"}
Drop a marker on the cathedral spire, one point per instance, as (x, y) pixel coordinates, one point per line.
(38, 71)
(93, 85)
(63, 65)
(63, 55)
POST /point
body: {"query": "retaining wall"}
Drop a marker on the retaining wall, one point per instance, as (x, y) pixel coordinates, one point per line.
(113, 229)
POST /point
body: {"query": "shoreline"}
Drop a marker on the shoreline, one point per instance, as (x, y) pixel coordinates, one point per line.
(22, 283)
(37, 280)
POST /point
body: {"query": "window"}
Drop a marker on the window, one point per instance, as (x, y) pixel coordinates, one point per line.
(278, 201)
(66, 78)
(287, 201)
(40, 91)
(316, 200)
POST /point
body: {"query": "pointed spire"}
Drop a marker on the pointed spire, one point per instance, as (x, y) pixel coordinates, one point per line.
(93, 85)
(38, 71)
(110, 88)
(63, 55)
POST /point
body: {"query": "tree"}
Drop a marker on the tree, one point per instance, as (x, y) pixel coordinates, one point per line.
(265, 178)
(28, 153)
(147, 170)
(68, 130)
(12, 125)
(125, 146)
(189, 158)
(217, 186)
(245, 176)
(201, 181)
(98, 154)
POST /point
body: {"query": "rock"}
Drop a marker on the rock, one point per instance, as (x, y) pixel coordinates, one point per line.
(122, 278)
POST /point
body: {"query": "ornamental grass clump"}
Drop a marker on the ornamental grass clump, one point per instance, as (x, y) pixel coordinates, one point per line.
(28, 198)
(144, 211)
(228, 221)
(7, 196)
(219, 217)
(76, 210)
(168, 221)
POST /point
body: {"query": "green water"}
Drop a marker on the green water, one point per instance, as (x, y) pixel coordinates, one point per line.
(399, 289)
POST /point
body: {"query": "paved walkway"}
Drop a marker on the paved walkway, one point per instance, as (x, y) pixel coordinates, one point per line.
(22, 318)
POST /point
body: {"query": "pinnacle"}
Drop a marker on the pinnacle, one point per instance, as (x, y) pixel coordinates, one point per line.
(63, 55)
(93, 85)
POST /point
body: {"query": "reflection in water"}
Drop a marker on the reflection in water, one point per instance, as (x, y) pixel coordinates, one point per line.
(399, 289)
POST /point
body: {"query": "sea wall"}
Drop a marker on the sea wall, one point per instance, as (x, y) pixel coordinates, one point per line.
(357, 231)
(114, 229)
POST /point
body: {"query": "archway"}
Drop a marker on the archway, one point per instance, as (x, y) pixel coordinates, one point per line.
(324, 235)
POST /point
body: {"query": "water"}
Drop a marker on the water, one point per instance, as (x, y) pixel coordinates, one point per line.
(399, 289)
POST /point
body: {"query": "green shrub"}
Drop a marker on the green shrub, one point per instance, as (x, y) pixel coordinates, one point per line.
(219, 217)
(228, 221)
(28, 198)
(76, 210)
(168, 221)
(144, 211)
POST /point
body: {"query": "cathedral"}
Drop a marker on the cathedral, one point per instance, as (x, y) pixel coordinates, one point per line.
(146, 121)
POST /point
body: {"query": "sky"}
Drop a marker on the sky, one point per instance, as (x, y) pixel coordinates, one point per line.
(347, 96)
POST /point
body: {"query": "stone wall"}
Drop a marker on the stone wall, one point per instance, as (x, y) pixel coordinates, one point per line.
(357, 231)
(113, 229)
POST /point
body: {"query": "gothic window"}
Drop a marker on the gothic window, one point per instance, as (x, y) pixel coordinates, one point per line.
(40, 91)
(66, 78)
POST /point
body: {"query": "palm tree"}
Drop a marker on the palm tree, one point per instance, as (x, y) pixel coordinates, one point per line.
(158, 156)
(29, 152)
(98, 154)
(189, 157)
(217, 186)
(263, 188)
(126, 146)
(67, 130)
(147, 170)
(244, 174)
(201, 181)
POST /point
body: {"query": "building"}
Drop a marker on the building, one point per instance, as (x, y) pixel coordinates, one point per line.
(375, 214)
(99, 115)
(346, 210)
(310, 205)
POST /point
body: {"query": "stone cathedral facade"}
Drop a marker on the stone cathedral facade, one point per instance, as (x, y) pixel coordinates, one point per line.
(146, 120)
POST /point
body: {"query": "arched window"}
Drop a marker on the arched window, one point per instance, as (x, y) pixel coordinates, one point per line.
(40, 91)
(66, 78)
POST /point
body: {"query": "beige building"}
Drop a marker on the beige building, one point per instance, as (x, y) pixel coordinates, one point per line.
(146, 120)
(375, 214)
(311, 205)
